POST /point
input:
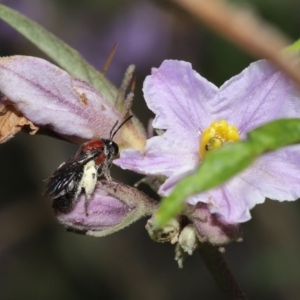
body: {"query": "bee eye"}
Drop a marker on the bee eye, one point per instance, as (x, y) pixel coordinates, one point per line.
(116, 148)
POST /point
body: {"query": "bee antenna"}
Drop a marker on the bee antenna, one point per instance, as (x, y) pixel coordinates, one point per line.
(113, 131)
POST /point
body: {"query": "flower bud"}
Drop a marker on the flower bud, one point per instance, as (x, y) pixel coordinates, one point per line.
(111, 207)
(211, 228)
(187, 243)
(188, 239)
(167, 233)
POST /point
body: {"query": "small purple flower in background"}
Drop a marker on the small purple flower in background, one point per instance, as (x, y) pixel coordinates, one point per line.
(198, 117)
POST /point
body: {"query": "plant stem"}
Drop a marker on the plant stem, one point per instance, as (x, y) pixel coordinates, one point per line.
(219, 270)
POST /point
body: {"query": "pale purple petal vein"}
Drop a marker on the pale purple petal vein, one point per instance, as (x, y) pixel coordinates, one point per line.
(48, 96)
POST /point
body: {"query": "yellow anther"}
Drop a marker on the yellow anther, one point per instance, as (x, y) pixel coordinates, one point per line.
(217, 134)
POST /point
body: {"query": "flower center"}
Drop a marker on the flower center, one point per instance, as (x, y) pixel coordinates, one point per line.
(217, 134)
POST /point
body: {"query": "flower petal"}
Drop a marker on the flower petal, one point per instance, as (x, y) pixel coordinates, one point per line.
(49, 96)
(276, 175)
(257, 95)
(176, 156)
(179, 97)
(167, 187)
(232, 201)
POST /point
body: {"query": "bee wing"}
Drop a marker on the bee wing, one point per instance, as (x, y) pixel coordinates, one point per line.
(65, 174)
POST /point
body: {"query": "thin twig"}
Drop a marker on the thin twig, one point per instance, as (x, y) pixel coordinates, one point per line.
(245, 29)
(219, 270)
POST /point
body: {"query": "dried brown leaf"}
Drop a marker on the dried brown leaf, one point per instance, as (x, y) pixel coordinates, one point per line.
(12, 121)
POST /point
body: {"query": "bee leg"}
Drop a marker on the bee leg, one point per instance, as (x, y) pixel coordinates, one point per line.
(86, 205)
(105, 171)
(86, 202)
(108, 178)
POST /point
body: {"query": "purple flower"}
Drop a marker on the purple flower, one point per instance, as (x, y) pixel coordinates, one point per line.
(38, 94)
(51, 99)
(197, 117)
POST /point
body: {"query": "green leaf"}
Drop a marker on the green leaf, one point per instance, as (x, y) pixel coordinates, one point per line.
(61, 53)
(295, 47)
(225, 162)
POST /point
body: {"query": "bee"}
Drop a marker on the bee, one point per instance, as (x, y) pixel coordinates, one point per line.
(81, 172)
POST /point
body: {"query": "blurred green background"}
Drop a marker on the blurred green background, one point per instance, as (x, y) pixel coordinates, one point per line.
(39, 259)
